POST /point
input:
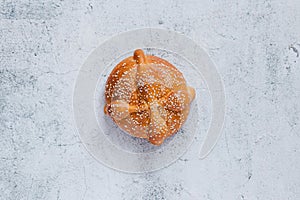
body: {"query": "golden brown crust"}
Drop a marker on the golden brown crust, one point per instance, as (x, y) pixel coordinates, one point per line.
(147, 97)
(119, 70)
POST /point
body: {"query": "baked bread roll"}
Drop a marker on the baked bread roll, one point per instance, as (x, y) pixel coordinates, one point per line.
(147, 97)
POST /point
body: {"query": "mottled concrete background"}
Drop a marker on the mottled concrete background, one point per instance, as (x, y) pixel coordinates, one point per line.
(256, 47)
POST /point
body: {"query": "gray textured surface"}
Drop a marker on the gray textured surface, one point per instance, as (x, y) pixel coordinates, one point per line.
(255, 45)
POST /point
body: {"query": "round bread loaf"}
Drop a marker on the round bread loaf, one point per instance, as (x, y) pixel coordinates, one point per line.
(147, 97)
